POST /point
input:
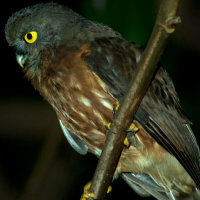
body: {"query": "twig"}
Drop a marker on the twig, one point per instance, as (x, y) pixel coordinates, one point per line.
(165, 25)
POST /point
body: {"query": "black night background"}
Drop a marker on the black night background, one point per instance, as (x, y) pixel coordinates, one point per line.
(36, 161)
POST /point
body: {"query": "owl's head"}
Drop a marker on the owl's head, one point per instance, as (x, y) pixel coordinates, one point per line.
(46, 27)
(41, 27)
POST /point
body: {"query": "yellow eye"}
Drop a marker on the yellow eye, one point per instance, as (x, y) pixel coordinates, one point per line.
(31, 37)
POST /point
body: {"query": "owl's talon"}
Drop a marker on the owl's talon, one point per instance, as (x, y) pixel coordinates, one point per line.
(116, 107)
(87, 195)
(107, 126)
(133, 128)
(126, 142)
(109, 189)
(84, 197)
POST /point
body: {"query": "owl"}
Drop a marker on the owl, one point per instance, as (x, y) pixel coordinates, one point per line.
(82, 68)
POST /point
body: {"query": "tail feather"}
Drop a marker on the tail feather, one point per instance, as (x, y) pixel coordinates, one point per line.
(145, 186)
(195, 195)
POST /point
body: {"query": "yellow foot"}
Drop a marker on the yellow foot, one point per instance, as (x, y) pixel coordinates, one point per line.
(116, 107)
(109, 189)
(132, 130)
(107, 126)
(87, 195)
(126, 142)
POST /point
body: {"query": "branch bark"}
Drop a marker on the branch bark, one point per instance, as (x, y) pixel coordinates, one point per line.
(164, 26)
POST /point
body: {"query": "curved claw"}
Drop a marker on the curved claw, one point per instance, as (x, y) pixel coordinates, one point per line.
(86, 197)
(86, 194)
(133, 129)
(107, 126)
(116, 107)
(109, 189)
(126, 142)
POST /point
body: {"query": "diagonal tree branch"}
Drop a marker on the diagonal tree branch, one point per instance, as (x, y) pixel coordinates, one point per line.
(164, 26)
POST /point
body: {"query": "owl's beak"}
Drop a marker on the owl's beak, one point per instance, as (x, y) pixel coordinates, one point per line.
(21, 59)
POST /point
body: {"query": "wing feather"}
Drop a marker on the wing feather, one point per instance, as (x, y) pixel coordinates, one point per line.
(114, 60)
(144, 185)
(75, 142)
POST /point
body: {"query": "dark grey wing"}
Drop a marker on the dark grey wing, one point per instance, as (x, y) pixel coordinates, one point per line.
(74, 140)
(168, 124)
(114, 60)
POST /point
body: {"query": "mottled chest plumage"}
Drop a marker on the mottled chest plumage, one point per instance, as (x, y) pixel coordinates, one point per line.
(79, 96)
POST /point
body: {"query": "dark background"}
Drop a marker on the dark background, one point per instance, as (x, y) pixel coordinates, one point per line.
(36, 162)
